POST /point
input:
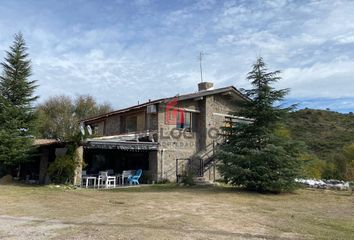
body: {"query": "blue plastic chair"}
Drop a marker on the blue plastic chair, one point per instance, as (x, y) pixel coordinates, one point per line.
(135, 179)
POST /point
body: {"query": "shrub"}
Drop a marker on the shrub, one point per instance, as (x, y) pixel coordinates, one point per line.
(164, 181)
(146, 177)
(188, 180)
(62, 170)
(313, 167)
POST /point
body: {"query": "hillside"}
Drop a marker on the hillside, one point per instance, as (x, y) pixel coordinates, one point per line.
(324, 132)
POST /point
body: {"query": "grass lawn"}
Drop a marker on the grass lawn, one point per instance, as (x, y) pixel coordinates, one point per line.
(170, 212)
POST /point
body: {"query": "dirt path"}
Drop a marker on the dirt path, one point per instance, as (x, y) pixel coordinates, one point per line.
(29, 228)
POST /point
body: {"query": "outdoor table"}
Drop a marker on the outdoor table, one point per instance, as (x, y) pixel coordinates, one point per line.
(87, 178)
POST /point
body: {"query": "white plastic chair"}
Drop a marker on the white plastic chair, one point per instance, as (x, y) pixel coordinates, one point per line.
(86, 178)
(104, 179)
(126, 174)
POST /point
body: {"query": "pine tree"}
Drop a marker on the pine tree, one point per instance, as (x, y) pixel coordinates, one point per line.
(260, 156)
(16, 114)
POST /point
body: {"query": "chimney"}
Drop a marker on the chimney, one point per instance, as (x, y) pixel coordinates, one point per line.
(203, 86)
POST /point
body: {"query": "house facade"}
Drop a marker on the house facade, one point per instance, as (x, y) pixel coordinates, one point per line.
(165, 137)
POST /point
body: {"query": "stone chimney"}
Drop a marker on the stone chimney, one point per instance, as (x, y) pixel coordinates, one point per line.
(203, 86)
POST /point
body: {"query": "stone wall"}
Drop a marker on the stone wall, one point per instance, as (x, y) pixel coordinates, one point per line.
(178, 144)
(174, 143)
(222, 104)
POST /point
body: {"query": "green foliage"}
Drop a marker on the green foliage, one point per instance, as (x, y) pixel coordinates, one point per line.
(15, 86)
(59, 116)
(313, 167)
(260, 156)
(326, 135)
(14, 148)
(16, 112)
(188, 180)
(164, 181)
(86, 106)
(62, 170)
(324, 132)
(349, 157)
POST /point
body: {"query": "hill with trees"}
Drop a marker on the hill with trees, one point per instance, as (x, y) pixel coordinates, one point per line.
(329, 137)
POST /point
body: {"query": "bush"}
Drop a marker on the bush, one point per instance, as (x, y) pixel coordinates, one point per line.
(3, 170)
(313, 167)
(188, 180)
(62, 170)
(164, 181)
(146, 177)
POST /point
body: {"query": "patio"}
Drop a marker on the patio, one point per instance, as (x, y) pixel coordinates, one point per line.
(107, 179)
(111, 163)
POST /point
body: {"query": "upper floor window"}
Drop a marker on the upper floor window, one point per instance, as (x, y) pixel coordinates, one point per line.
(94, 129)
(131, 123)
(184, 120)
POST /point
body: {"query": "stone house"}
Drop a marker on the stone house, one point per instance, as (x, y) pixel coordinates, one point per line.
(164, 137)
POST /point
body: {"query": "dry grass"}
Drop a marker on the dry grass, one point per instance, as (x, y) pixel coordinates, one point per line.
(170, 212)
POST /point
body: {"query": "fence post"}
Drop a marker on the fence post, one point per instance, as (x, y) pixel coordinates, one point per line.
(214, 168)
(176, 170)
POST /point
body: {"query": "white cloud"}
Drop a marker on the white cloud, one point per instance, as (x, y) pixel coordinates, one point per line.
(147, 49)
(332, 79)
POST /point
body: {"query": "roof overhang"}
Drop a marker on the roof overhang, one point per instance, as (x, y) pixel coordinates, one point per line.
(47, 142)
(121, 145)
(196, 96)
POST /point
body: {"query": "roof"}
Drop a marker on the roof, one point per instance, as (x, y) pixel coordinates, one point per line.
(180, 98)
(44, 142)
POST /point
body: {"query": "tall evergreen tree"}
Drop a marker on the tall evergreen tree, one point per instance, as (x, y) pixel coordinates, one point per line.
(17, 96)
(260, 156)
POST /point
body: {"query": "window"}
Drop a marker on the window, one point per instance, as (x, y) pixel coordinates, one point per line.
(184, 120)
(131, 123)
(94, 129)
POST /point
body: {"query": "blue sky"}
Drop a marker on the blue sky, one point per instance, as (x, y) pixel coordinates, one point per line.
(125, 51)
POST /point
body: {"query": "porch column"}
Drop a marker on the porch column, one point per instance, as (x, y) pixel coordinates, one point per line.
(80, 159)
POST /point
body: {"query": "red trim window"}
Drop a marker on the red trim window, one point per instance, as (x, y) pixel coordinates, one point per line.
(184, 120)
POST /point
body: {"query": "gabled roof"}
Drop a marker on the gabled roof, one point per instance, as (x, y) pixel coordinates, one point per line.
(163, 100)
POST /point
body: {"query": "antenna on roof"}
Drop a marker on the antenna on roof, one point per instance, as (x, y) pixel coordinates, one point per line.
(200, 58)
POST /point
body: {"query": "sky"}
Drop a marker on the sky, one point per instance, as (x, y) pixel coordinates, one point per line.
(123, 51)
